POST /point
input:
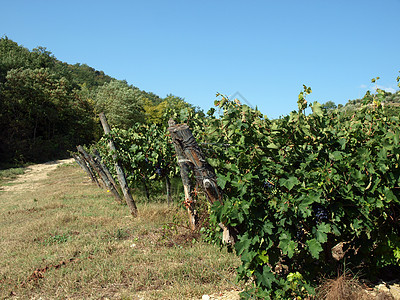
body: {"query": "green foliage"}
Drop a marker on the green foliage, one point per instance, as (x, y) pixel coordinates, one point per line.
(43, 110)
(144, 152)
(389, 101)
(48, 107)
(170, 107)
(122, 104)
(330, 105)
(297, 186)
(79, 74)
(13, 56)
(11, 173)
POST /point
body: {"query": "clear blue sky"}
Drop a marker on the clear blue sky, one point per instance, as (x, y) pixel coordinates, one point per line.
(265, 50)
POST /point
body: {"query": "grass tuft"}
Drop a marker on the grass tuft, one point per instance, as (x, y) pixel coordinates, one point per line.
(9, 174)
(347, 287)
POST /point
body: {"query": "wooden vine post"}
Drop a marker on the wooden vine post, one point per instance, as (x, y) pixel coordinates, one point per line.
(185, 167)
(168, 189)
(91, 163)
(120, 172)
(97, 158)
(101, 172)
(84, 164)
(190, 157)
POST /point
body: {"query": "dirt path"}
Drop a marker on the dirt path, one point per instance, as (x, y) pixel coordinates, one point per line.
(33, 176)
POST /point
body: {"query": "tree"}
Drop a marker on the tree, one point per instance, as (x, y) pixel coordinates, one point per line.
(43, 58)
(79, 74)
(122, 104)
(330, 105)
(171, 107)
(12, 56)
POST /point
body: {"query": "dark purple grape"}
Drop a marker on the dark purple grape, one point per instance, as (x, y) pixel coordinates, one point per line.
(268, 185)
(320, 213)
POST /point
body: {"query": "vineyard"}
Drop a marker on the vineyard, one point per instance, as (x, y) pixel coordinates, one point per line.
(301, 196)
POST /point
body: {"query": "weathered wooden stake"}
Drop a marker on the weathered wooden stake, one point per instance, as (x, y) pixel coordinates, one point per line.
(120, 172)
(205, 176)
(91, 163)
(190, 156)
(95, 165)
(168, 188)
(86, 167)
(185, 167)
(80, 163)
(98, 159)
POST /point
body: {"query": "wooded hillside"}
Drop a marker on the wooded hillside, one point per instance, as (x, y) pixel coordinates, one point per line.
(48, 106)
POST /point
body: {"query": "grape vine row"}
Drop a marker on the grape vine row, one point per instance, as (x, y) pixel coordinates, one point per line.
(293, 187)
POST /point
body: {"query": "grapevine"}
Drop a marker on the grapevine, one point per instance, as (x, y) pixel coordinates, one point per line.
(293, 187)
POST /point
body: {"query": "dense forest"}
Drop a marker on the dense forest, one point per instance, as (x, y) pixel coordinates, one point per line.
(47, 106)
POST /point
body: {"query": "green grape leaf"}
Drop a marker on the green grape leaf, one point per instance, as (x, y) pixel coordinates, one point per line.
(314, 247)
(289, 183)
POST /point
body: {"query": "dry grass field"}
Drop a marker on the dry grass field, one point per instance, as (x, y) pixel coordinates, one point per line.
(61, 237)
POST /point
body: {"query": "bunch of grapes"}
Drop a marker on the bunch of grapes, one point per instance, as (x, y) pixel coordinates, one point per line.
(159, 170)
(268, 185)
(320, 212)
